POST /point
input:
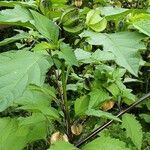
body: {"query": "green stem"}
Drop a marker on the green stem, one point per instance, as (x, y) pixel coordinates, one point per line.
(65, 102)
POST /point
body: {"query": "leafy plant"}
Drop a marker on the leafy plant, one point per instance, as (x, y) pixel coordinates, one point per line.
(69, 72)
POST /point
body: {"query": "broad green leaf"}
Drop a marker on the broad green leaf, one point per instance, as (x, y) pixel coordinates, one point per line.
(46, 27)
(21, 132)
(97, 96)
(99, 55)
(105, 143)
(62, 145)
(124, 45)
(37, 126)
(10, 134)
(133, 129)
(118, 73)
(143, 26)
(15, 38)
(95, 22)
(43, 46)
(67, 54)
(116, 13)
(34, 97)
(83, 56)
(47, 90)
(112, 11)
(81, 105)
(17, 71)
(45, 110)
(38, 99)
(140, 22)
(102, 114)
(17, 16)
(114, 89)
(14, 3)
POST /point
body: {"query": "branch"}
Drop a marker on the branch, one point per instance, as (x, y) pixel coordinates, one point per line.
(99, 129)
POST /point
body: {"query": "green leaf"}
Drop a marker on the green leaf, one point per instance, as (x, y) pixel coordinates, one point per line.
(146, 117)
(99, 55)
(97, 96)
(17, 16)
(95, 22)
(34, 97)
(38, 99)
(116, 13)
(105, 143)
(70, 17)
(43, 46)
(112, 11)
(81, 105)
(15, 38)
(14, 3)
(75, 87)
(21, 131)
(11, 134)
(45, 110)
(124, 45)
(74, 29)
(126, 94)
(141, 22)
(148, 104)
(133, 129)
(59, 2)
(37, 126)
(119, 89)
(83, 56)
(17, 71)
(62, 145)
(47, 90)
(102, 114)
(46, 27)
(67, 54)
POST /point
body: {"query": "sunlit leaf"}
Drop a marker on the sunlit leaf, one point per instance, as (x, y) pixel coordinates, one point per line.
(17, 71)
(133, 129)
(124, 45)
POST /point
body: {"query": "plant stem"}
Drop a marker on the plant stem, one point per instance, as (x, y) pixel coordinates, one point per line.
(65, 103)
(63, 95)
(99, 129)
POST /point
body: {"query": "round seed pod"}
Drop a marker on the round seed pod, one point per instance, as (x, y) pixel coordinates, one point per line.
(76, 129)
(108, 105)
(57, 136)
(78, 3)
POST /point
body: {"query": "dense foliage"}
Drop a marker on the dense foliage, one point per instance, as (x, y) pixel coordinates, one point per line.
(67, 67)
